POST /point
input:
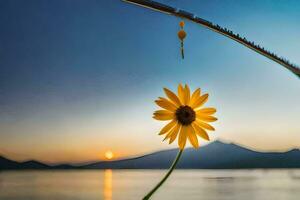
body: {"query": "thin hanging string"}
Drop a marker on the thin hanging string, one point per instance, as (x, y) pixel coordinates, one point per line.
(182, 50)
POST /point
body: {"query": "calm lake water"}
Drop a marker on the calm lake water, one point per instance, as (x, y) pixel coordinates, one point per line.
(133, 184)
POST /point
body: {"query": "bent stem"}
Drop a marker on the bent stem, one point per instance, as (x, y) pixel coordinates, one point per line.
(165, 177)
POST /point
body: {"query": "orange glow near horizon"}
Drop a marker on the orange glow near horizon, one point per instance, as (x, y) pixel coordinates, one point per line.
(109, 155)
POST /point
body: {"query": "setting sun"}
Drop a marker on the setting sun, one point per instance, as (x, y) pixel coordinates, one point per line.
(109, 155)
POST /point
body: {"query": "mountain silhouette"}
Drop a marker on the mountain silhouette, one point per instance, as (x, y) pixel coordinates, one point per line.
(10, 164)
(216, 155)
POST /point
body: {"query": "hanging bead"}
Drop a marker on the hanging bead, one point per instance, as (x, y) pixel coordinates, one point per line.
(181, 35)
(181, 24)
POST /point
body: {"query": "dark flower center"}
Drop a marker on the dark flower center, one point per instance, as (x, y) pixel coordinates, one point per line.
(185, 115)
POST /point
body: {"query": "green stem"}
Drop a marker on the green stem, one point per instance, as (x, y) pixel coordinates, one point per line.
(165, 177)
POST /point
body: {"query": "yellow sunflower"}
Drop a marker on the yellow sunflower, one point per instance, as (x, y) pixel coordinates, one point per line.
(187, 117)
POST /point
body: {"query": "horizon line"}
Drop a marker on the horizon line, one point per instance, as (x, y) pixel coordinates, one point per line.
(223, 141)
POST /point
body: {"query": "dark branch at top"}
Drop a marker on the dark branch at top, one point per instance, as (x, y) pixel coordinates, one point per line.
(215, 27)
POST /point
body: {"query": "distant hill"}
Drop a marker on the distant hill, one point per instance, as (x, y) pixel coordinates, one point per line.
(9, 164)
(216, 155)
(6, 164)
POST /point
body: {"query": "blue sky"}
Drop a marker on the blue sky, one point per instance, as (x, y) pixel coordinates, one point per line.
(79, 78)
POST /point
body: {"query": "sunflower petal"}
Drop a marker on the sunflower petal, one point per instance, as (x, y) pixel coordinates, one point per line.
(204, 125)
(181, 94)
(182, 137)
(195, 96)
(192, 137)
(163, 112)
(163, 115)
(174, 133)
(172, 97)
(200, 131)
(187, 95)
(206, 118)
(167, 136)
(162, 118)
(174, 130)
(166, 104)
(167, 127)
(207, 111)
(200, 101)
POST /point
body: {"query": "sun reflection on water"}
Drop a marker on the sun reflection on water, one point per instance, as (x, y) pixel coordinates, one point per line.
(107, 190)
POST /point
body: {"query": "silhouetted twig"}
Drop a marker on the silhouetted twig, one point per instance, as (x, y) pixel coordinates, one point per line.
(217, 28)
